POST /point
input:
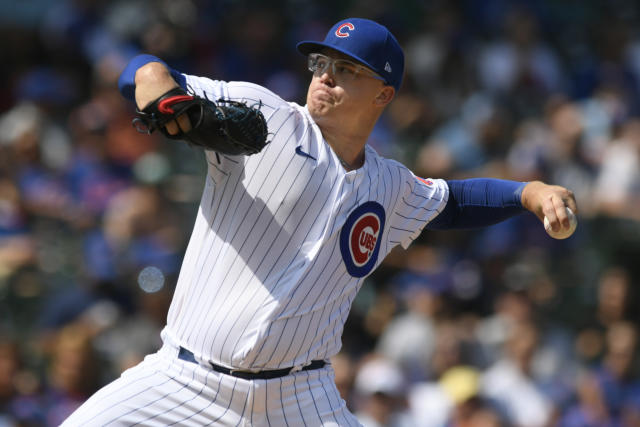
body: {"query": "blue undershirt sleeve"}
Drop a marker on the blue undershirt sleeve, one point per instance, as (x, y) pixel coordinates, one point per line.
(479, 202)
(126, 82)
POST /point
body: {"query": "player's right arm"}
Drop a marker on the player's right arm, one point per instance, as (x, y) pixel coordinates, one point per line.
(471, 203)
(479, 202)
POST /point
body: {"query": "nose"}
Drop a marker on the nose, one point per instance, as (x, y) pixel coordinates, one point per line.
(327, 78)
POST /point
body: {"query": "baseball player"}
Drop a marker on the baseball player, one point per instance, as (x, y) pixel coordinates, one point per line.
(284, 239)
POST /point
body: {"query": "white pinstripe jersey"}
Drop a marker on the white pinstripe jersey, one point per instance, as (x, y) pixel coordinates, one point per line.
(283, 240)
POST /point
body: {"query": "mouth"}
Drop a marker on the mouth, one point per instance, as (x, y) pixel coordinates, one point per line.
(323, 95)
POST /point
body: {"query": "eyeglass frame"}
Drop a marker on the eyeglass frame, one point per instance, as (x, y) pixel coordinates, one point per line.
(359, 69)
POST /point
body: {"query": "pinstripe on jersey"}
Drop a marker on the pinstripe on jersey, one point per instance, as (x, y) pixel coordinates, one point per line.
(264, 283)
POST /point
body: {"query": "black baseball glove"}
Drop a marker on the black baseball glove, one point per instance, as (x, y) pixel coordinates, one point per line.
(228, 127)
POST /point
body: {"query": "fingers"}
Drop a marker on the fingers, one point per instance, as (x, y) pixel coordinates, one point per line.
(570, 201)
(172, 128)
(182, 123)
(554, 207)
(551, 208)
(561, 214)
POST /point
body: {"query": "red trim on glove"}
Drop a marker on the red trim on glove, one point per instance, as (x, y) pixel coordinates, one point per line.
(164, 106)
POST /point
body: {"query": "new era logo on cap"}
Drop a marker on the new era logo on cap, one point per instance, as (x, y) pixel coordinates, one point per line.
(367, 42)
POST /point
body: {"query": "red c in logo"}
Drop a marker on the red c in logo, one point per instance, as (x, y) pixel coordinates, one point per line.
(363, 238)
(341, 32)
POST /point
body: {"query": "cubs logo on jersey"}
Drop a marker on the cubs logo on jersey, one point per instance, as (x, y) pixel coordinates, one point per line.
(360, 238)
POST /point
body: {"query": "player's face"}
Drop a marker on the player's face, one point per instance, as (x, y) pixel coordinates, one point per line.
(340, 87)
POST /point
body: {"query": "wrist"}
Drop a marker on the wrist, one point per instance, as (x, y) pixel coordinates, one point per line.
(528, 195)
(517, 194)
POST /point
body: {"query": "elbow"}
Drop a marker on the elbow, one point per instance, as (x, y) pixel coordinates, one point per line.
(133, 73)
(152, 73)
(446, 219)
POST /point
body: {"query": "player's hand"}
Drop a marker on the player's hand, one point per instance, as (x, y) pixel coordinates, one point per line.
(550, 201)
(182, 123)
(152, 81)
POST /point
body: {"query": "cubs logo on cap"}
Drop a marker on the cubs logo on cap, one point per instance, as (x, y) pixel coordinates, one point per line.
(360, 238)
(343, 29)
(367, 42)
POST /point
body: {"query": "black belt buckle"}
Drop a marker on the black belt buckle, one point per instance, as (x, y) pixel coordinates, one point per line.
(188, 356)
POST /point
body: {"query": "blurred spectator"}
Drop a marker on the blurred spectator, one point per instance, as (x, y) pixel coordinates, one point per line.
(73, 373)
(344, 370)
(453, 399)
(591, 409)
(618, 376)
(509, 381)
(19, 404)
(520, 62)
(39, 149)
(9, 362)
(610, 394)
(124, 343)
(612, 306)
(433, 403)
(617, 188)
(135, 233)
(380, 394)
(476, 412)
(17, 246)
(409, 338)
(448, 350)
(614, 290)
(567, 157)
(525, 157)
(492, 332)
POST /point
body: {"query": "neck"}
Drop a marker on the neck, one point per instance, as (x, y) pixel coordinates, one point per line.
(348, 146)
(350, 151)
(353, 165)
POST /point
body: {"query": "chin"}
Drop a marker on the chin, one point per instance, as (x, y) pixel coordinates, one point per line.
(321, 103)
(318, 109)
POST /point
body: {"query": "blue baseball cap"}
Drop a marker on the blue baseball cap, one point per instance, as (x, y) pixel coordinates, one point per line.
(366, 41)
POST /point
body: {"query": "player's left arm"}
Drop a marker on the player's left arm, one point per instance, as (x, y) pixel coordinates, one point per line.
(146, 78)
(481, 202)
(222, 125)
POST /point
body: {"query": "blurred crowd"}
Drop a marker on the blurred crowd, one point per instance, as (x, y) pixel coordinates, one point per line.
(502, 326)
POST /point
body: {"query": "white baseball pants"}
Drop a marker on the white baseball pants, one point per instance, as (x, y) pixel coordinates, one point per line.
(163, 390)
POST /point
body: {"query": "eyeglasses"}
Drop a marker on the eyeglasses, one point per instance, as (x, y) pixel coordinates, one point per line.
(341, 68)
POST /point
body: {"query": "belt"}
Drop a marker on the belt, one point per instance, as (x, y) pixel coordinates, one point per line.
(188, 356)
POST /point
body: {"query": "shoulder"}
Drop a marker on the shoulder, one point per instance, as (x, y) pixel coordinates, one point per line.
(386, 165)
(405, 180)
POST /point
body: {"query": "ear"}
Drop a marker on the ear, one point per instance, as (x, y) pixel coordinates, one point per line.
(385, 96)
